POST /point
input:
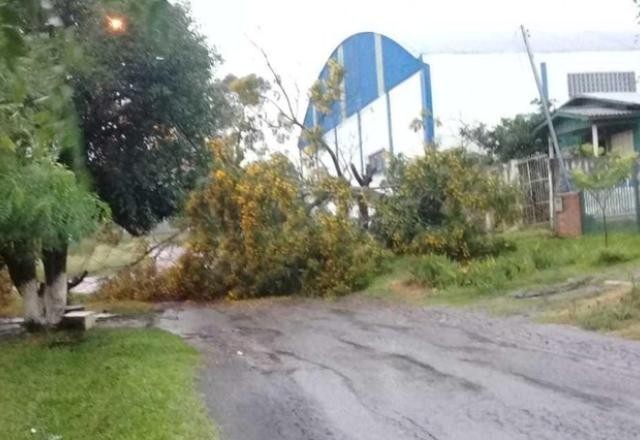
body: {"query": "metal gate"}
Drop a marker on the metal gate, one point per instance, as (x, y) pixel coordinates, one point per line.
(534, 177)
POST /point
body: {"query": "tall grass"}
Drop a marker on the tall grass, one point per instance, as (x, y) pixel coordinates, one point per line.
(611, 316)
(538, 258)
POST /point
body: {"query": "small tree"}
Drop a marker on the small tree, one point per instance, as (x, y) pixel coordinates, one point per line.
(600, 182)
(512, 138)
(439, 205)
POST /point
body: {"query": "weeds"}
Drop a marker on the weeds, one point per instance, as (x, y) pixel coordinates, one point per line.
(611, 316)
(608, 257)
(537, 259)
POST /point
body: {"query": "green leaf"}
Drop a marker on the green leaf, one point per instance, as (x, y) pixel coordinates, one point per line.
(7, 144)
(14, 45)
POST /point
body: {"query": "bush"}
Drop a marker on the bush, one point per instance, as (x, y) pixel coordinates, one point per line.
(440, 203)
(609, 257)
(435, 271)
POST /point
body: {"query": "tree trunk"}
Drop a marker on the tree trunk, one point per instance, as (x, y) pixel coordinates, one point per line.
(606, 228)
(55, 289)
(22, 270)
(363, 208)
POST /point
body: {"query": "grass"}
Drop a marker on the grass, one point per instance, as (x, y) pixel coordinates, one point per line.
(616, 311)
(102, 385)
(539, 259)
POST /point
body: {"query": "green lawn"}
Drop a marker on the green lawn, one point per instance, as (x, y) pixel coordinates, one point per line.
(102, 385)
(539, 260)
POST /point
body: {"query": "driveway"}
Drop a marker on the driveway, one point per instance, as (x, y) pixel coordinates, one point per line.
(361, 369)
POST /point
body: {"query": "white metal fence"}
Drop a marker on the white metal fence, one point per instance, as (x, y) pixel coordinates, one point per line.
(539, 179)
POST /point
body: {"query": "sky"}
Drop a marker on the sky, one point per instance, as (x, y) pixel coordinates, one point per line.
(300, 35)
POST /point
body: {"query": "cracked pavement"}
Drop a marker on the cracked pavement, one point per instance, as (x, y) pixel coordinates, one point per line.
(364, 369)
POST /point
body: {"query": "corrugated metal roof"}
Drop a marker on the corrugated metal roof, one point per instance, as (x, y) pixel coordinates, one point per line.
(596, 112)
(621, 98)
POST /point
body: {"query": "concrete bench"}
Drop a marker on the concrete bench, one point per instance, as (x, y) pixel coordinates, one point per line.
(80, 320)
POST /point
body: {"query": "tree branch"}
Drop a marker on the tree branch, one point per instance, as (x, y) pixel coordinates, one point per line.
(278, 80)
(76, 281)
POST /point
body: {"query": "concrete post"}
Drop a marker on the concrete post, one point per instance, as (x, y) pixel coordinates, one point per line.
(595, 140)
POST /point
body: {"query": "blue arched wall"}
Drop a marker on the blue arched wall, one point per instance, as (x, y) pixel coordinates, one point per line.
(370, 73)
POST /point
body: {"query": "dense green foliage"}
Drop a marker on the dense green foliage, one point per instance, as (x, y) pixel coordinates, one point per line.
(512, 138)
(147, 103)
(103, 385)
(253, 234)
(439, 203)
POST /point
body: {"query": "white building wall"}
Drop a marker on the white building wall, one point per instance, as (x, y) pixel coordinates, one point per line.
(406, 106)
(486, 87)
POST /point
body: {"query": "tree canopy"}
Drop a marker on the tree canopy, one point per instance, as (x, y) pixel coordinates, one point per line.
(512, 138)
(147, 102)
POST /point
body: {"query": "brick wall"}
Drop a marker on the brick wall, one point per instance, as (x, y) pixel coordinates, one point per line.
(568, 215)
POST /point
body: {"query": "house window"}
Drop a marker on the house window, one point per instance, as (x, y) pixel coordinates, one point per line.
(377, 162)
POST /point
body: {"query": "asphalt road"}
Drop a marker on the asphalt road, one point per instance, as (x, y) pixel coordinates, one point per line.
(355, 369)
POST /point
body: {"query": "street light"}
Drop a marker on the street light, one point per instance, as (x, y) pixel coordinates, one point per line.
(116, 24)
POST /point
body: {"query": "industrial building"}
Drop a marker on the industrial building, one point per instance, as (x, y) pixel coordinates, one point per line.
(388, 87)
(385, 90)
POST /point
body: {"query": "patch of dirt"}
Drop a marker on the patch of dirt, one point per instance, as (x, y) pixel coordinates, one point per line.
(611, 293)
(409, 291)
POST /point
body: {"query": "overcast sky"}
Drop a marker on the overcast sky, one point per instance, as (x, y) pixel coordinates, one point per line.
(300, 34)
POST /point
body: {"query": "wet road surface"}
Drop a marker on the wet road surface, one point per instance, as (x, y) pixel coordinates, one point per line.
(357, 369)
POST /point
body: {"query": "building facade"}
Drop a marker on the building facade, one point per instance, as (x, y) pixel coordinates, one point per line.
(386, 106)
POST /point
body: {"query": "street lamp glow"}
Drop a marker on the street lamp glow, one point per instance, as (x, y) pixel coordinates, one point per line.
(116, 24)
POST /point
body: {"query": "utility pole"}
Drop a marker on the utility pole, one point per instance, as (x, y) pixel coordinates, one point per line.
(547, 113)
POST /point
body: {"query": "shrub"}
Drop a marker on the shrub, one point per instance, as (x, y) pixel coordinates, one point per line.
(610, 256)
(440, 204)
(435, 271)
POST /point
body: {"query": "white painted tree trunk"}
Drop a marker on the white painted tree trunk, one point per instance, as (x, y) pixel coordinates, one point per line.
(55, 289)
(32, 302)
(55, 299)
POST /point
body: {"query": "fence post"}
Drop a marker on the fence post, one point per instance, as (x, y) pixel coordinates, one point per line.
(636, 191)
(552, 194)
